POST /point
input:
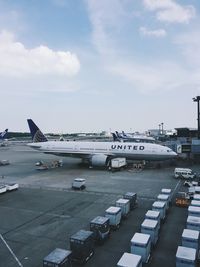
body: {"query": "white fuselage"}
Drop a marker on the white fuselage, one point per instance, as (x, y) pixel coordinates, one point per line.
(135, 151)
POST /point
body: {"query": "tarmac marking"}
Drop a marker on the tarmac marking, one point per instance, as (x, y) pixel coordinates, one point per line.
(13, 254)
(177, 185)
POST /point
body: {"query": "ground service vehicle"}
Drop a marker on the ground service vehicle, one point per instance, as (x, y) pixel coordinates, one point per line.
(184, 173)
(182, 199)
(78, 183)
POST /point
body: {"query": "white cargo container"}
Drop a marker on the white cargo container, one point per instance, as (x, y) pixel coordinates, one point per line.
(141, 245)
(167, 191)
(195, 203)
(190, 238)
(150, 227)
(161, 207)
(118, 163)
(185, 257)
(194, 211)
(130, 260)
(193, 223)
(153, 215)
(114, 214)
(197, 189)
(196, 197)
(124, 204)
(164, 198)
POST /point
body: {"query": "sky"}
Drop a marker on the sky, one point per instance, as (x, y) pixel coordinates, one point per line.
(90, 65)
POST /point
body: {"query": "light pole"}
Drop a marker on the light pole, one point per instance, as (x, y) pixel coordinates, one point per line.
(197, 99)
(159, 128)
(162, 127)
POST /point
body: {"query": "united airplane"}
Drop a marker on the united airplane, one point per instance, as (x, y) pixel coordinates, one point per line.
(98, 153)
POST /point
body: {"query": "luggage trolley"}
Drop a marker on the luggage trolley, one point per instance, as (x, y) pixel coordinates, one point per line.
(82, 246)
(101, 228)
(58, 258)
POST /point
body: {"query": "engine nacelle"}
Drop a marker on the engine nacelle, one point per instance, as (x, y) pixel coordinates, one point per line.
(99, 160)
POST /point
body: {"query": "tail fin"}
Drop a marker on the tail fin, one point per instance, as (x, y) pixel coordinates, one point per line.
(3, 134)
(37, 135)
(116, 137)
(123, 133)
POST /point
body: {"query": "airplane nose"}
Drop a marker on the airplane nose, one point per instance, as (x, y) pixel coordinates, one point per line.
(174, 154)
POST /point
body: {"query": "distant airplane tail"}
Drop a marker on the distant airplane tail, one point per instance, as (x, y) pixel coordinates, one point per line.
(3, 134)
(123, 133)
(37, 135)
(116, 137)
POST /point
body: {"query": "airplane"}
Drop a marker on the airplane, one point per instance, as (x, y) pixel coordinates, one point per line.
(2, 137)
(98, 153)
(123, 137)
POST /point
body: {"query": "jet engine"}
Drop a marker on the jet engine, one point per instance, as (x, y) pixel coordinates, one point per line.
(99, 160)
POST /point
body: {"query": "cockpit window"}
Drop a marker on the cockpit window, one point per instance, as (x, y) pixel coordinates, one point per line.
(169, 150)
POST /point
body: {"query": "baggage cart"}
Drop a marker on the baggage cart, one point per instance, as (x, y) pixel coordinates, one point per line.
(101, 228)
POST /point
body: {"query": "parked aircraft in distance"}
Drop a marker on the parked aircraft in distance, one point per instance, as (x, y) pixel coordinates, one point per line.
(98, 153)
(123, 137)
(2, 137)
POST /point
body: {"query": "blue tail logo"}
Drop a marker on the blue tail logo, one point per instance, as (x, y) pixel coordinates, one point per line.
(3, 134)
(37, 135)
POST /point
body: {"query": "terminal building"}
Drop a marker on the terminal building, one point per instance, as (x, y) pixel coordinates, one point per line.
(184, 142)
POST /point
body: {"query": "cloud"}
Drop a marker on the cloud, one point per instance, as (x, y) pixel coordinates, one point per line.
(152, 33)
(106, 18)
(154, 77)
(18, 61)
(143, 74)
(189, 44)
(170, 11)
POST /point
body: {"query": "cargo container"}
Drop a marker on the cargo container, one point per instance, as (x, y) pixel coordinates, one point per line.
(101, 228)
(190, 238)
(82, 246)
(194, 211)
(167, 191)
(161, 207)
(58, 258)
(195, 203)
(196, 197)
(118, 164)
(193, 223)
(132, 197)
(185, 257)
(150, 227)
(153, 215)
(130, 260)
(114, 214)
(164, 198)
(124, 204)
(141, 245)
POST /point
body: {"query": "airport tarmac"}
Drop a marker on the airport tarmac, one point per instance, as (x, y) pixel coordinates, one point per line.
(44, 212)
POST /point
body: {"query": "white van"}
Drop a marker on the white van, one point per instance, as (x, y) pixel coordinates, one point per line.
(184, 173)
